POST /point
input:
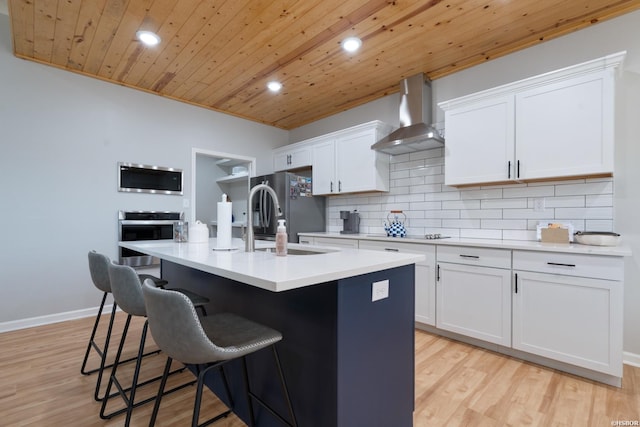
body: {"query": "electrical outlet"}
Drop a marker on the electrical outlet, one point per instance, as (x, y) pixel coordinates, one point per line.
(380, 290)
(185, 203)
(538, 205)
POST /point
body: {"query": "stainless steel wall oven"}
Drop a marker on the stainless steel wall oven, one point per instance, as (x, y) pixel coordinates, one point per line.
(144, 225)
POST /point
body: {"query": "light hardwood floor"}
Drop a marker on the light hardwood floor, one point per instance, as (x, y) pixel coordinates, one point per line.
(456, 385)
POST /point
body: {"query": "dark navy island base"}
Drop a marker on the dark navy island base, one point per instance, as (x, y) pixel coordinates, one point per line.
(348, 361)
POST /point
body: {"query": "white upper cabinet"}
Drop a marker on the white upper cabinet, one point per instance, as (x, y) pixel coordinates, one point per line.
(291, 157)
(479, 143)
(343, 162)
(556, 125)
(324, 168)
(566, 128)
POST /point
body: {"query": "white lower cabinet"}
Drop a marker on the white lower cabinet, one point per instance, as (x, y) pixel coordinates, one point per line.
(474, 296)
(548, 306)
(341, 243)
(564, 309)
(424, 275)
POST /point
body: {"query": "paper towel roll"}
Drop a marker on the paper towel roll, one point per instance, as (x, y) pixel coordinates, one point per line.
(223, 240)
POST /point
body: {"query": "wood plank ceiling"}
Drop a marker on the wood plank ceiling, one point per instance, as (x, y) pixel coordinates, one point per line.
(219, 54)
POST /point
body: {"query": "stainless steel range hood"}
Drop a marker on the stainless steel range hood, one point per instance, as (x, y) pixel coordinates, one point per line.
(415, 132)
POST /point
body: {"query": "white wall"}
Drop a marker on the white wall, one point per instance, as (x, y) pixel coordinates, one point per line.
(62, 135)
(596, 41)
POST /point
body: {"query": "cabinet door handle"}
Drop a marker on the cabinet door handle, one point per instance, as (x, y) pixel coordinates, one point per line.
(392, 249)
(518, 166)
(438, 273)
(470, 256)
(561, 264)
(331, 187)
(339, 186)
(516, 282)
(509, 169)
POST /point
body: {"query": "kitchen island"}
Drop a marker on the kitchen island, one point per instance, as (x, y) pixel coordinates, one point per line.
(348, 360)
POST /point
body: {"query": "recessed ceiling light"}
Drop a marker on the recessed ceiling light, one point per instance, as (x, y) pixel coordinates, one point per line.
(274, 86)
(351, 44)
(148, 38)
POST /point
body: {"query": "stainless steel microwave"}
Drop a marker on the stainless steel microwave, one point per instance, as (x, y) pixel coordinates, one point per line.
(137, 178)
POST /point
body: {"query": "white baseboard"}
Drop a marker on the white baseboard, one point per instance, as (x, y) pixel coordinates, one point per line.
(14, 325)
(631, 359)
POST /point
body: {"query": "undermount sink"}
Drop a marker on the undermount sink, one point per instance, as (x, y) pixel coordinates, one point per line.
(296, 251)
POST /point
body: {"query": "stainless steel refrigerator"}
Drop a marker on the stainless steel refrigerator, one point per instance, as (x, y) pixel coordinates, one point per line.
(302, 211)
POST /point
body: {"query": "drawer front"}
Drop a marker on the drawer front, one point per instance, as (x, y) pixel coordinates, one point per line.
(416, 248)
(596, 266)
(498, 258)
(306, 240)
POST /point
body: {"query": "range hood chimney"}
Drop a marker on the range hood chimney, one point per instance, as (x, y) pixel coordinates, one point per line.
(415, 132)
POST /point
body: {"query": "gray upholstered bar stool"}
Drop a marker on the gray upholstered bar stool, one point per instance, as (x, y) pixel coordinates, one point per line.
(98, 269)
(127, 293)
(212, 341)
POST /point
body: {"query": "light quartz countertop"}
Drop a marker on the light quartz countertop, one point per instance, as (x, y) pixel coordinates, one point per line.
(268, 271)
(525, 245)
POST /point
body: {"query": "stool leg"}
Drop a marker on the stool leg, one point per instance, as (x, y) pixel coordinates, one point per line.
(113, 371)
(285, 391)
(136, 374)
(245, 378)
(93, 335)
(103, 359)
(163, 383)
(198, 400)
(196, 405)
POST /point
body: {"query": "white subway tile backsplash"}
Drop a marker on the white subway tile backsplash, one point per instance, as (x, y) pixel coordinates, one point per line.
(584, 213)
(451, 195)
(427, 171)
(399, 174)
(525, 214)
(487, 212)
(561, 202)
(461, 223)
(395, 207)
(481, 234)
(426, 189)
(416, 197)
(461, 204)
(543, 191)
(403, 182)
(489, 193)
(401, 190)
(481, 213)
(504, 224)
(598, 225)
(599, 200)
(442, 214)
(504, 204)
(365, 207)
(591, 187)
(426, 206)
(413, 164)
(425, 223)
(436, 153)
(518, 235)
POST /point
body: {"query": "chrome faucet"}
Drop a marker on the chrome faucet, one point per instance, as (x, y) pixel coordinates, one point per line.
(250, 243)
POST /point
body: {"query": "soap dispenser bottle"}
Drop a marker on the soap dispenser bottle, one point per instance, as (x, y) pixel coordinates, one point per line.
(281, 239)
